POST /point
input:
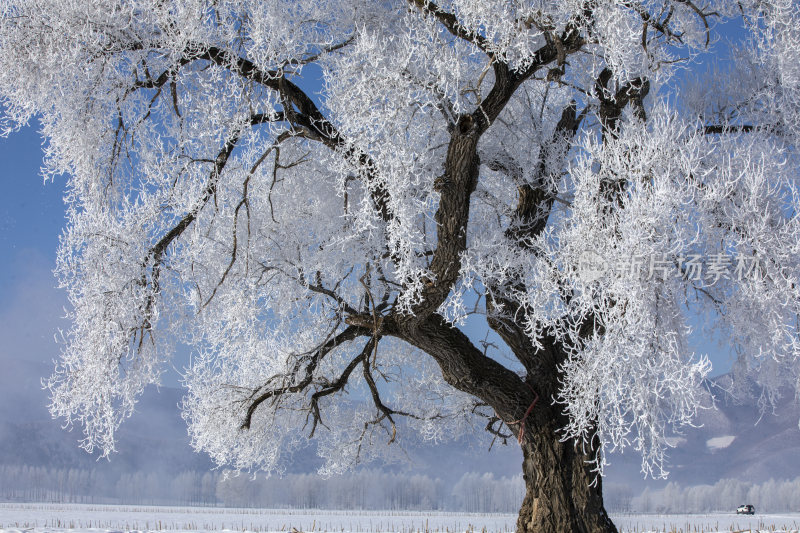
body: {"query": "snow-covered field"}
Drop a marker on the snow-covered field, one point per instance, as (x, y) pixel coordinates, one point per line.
(707, 523)
(70, 518)
(56, 517)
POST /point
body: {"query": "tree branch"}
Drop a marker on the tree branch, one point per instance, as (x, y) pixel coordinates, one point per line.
(299, 109)
(462, 169)
(156, 252)
(463, 365)
(154, 257)
(306, 115)
(533, 209)
(326, 50)
(720, 129)
(336, 386)
(451, 24)
(348, 334)
(613, 102)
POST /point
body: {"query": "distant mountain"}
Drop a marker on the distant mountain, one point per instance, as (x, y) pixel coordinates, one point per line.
(732, 441)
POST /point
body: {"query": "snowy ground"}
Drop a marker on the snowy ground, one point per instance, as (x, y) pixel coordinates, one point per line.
(706, 523)
(54, 517)
(58, 518)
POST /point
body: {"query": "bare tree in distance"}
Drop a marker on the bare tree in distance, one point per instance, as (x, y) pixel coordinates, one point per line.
(560, 170)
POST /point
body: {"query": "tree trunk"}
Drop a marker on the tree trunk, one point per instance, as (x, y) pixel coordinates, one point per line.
(561, 492)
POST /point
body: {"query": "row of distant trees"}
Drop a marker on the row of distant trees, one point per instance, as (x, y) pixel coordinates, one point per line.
(79, 485)
(373, 489)
(725, 495)
(367, 489)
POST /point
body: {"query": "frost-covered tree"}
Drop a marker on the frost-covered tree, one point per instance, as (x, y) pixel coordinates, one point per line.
(316, 195)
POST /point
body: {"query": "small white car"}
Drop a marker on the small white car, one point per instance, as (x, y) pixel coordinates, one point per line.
(746, 509)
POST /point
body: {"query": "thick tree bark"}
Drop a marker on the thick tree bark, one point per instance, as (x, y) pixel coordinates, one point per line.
(561, 492)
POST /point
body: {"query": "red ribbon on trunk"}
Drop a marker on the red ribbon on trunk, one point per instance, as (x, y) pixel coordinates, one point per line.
(521, 421)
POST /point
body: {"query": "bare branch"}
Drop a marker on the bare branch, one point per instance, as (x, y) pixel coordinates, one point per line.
(720, 129)
(348, 334)
(336, 386)
(326, 50)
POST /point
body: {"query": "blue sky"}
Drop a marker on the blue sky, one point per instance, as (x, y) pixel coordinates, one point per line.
(31, 213)
(31, 218)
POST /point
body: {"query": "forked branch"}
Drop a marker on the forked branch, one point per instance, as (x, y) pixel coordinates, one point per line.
(314, 358)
